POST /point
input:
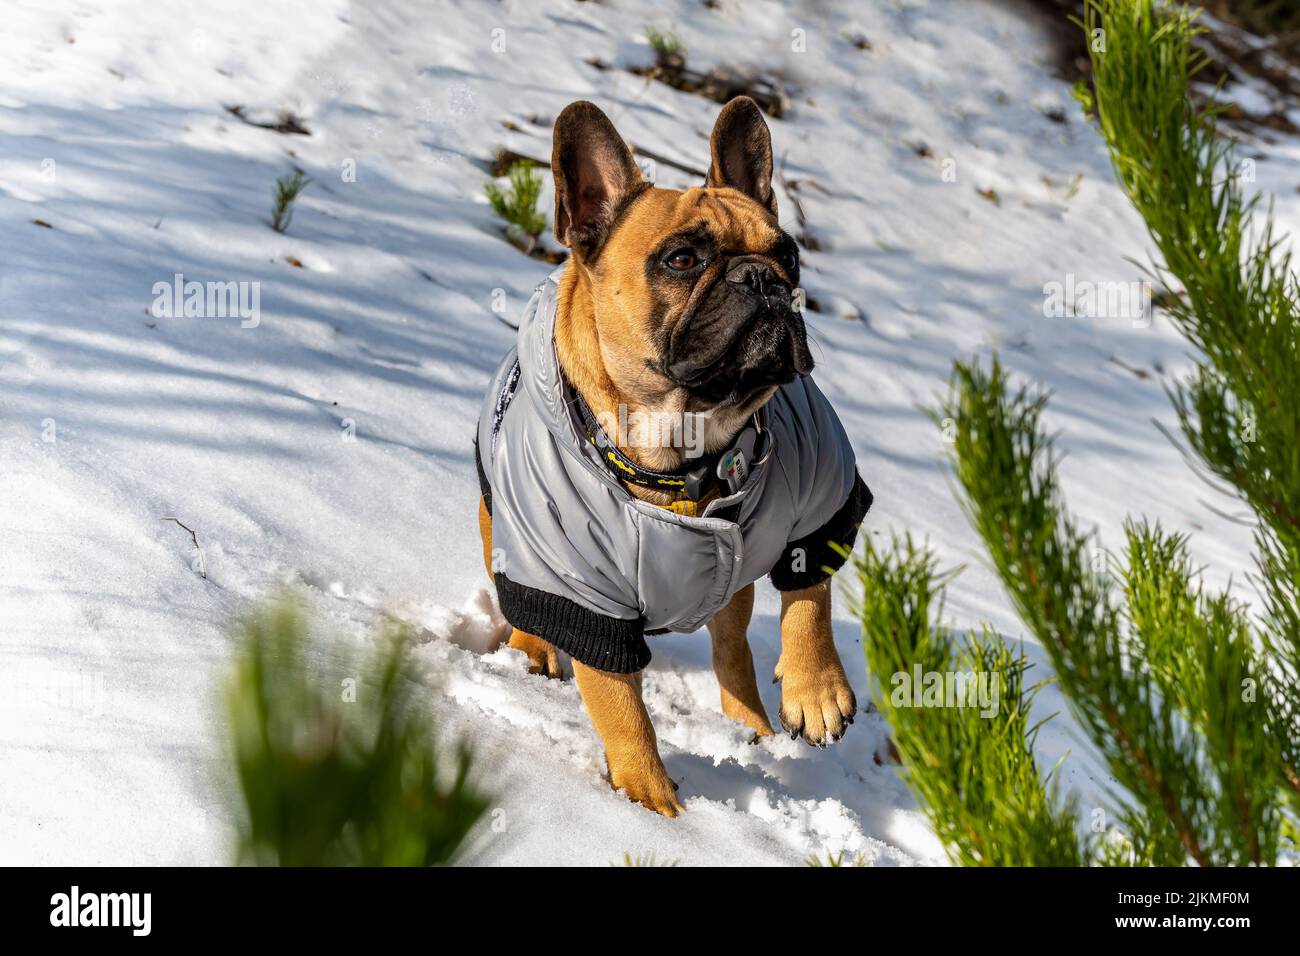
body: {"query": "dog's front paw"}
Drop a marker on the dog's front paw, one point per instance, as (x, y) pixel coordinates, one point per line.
(817, 705)
(648, 785)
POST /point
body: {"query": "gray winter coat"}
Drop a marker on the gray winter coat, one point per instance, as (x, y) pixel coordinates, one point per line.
(582, 563)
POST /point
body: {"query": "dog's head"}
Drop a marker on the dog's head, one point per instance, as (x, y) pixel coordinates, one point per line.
(693, 291)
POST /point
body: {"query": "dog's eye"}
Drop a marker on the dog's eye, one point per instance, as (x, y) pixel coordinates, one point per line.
(682, 260)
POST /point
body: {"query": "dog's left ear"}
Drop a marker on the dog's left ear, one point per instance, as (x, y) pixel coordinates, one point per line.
(741, 149)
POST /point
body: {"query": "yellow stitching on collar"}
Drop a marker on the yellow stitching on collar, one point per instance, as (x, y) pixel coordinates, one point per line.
(665, 482)
(614, 458)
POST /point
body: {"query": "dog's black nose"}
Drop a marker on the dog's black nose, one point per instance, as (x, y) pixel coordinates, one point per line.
(754, 277)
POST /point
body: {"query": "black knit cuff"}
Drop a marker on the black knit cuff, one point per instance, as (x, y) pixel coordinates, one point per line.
(485, 489)
(814, 557)
(605, 643)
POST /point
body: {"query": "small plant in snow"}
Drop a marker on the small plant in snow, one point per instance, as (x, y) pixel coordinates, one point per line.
(341, 768)
(668, 46)
(287, 189)
(518, 203)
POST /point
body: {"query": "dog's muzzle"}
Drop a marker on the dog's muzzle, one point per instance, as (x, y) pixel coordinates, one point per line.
(745, 336)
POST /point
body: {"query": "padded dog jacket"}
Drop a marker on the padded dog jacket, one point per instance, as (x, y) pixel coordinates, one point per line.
(584, 564)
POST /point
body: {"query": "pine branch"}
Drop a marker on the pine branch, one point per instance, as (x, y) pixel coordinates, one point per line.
(342, 769)
(970, 762)
(1238, 410)
(1165, 683)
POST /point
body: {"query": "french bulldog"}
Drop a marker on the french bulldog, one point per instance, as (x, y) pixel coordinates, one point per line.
(684, 303)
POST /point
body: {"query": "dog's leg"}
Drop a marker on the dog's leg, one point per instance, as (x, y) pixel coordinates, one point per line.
(816, 700)
(734, 664)
(542, 656)
(613, 702)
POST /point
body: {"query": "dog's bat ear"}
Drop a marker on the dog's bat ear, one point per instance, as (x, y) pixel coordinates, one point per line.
(593, 171)
(741, 152)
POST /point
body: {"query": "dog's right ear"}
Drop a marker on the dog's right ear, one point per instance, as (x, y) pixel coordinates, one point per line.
(593, 170)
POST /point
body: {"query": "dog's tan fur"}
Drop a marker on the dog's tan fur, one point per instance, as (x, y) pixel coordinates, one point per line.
(733, 664)
(608, 320)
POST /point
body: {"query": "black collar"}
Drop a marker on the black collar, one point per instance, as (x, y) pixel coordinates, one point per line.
(692, 481)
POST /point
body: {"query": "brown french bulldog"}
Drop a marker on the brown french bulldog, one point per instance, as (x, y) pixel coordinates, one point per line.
(646, 320)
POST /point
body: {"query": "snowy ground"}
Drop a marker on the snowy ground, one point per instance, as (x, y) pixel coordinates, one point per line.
(328, 448)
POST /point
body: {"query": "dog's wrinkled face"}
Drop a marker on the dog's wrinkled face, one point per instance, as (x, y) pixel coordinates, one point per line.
(693, 291)
(710, 279)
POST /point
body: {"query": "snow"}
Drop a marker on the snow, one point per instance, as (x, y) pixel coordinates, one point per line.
(327, 448)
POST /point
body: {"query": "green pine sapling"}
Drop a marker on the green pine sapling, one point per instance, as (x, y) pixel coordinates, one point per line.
(518, 204)
(969, 760)
(669, 51)
(1189, 699)
(1239, 410)
(287, 189)
(340, 768)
